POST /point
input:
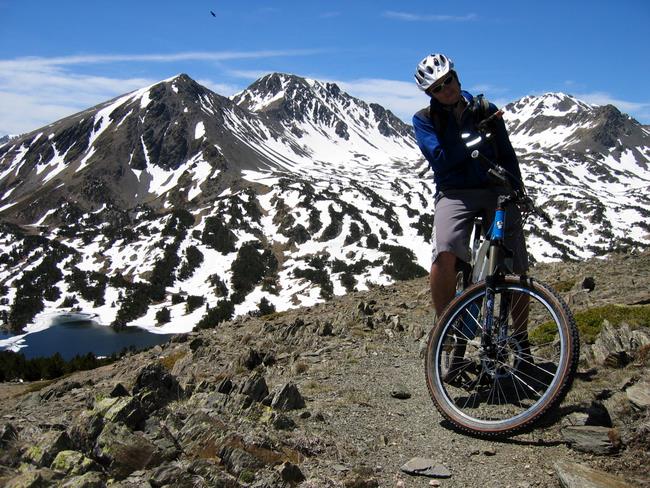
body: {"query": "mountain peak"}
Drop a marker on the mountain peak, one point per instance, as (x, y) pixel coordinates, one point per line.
(553, 104)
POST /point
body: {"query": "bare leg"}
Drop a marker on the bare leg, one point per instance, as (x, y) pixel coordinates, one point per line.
(442, 281)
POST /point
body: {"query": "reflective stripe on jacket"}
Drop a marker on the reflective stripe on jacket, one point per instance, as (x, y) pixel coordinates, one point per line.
(448, 156)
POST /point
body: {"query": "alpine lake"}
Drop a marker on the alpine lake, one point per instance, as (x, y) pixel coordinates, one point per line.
(81, 337)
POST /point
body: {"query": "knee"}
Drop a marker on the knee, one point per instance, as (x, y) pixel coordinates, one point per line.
(444, 262)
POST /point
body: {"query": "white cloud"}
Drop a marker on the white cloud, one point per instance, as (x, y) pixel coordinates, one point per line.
(35, 91)
(602, 98)
(429, 18)
(400, 97)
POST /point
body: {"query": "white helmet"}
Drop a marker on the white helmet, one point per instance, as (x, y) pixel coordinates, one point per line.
(431, 69)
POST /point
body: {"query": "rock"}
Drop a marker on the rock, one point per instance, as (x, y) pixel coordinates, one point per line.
(419, 466)
(290, 473)
(87, 480)
(7, 434)
(196, 344)
(167, 475)
(59, 389)
(639, 395)
(400, 392)
(40, 478)
(47, 447)
(158, 434)
(283, 422)
(255, 387)
(592, 439)
(122, 452)
(127, 410)
(618, 359)
(155, 387)
(326, 329)
(85, 430)
(238, 461)
(616, 344)
(288, 398)
(360, 480)
(73, 463)
(573, 475)
(226, 386)
(119, 391)
(252, 359)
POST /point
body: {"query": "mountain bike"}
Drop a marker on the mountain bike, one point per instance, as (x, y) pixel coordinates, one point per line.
(505, 351)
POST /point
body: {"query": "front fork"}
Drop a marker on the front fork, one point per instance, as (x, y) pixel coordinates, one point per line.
(494, 340)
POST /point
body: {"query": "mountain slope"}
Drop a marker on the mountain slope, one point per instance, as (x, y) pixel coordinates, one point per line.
(175, 206)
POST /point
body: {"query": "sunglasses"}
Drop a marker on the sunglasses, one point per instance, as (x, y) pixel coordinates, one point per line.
(444, 83)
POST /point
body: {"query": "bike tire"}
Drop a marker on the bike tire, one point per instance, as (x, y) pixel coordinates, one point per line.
(501, 401)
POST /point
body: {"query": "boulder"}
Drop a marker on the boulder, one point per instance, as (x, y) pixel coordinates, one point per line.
(290, 473)
(73, 463)
(127, 410)
(91, 479)
(40, 478)
(639, 395)
(288, 398)
(7, 433)
(122, 452)
(86, 428)
(592, 439)
(255, 387)
(155, 387)
(615, 344)
(573, 475)
(43, 452)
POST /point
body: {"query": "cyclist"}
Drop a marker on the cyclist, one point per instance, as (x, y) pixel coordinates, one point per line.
(463, 187)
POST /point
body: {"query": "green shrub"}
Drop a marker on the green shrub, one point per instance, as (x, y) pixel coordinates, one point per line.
(193, 259)
(14, 366)
(250, 267)
(401, 263)
(265, 307)
(590, 321)
(163, 273)
(222, 312)
(354, 235)
(220, 288)
(193, 302)
(163, 316)
(318, 275)
(134, 304)
(218, 236)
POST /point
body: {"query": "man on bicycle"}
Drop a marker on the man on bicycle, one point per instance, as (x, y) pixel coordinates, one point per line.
(464, 188)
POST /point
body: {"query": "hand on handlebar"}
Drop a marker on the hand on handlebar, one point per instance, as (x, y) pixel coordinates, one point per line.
(487, 124)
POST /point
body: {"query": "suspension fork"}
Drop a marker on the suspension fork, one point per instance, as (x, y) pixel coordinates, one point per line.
(496, 243)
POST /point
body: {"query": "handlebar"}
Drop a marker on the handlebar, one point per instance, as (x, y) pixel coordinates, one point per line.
(499, 173)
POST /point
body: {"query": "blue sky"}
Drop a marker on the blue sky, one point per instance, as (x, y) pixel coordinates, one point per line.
(57, 58)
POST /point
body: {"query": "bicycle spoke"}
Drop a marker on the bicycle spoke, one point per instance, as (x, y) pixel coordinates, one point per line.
(500, 386)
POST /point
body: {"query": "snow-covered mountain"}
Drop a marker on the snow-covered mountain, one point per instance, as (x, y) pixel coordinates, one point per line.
(590, 164)
(173, 205)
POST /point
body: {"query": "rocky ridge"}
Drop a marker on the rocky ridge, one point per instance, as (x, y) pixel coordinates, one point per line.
(331, 395)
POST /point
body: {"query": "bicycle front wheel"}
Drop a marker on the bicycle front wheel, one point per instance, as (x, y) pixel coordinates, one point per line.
(501, 383)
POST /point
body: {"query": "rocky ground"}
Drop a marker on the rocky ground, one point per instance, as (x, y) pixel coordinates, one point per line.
(332, 395)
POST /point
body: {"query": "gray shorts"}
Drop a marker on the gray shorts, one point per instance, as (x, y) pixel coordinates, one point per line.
(454, 217)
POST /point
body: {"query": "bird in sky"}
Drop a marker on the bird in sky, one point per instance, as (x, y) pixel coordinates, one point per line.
(213, 14)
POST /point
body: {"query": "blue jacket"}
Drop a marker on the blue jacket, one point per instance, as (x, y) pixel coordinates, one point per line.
(451, 162)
